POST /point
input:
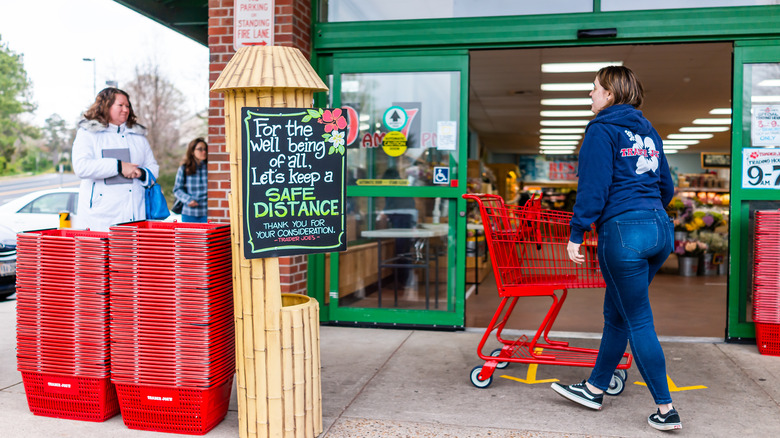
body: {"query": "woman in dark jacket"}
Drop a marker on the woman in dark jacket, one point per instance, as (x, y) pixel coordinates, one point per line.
(624, 186)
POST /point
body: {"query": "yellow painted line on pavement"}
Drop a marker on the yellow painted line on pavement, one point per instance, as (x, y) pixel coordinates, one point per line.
(530, 377)
(673, 387)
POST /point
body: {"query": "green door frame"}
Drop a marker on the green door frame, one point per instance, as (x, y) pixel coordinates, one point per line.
(750, 28)
(633, 27)
(739, 233)
(392, 62)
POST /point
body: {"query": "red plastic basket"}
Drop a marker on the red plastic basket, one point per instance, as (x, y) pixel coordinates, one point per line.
(187, 410)
(71, 397)
(768, 338)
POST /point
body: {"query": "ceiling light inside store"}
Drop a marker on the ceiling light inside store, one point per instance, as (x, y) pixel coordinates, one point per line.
(671, 151)
(558, 148)
(569, 113)
(712, 122)
(721, 112)
(559, 143)
(769, 83)
(765, 99)
(560, 137)
(555, 152)
(672, 147)
(690, 136)
(577, 67)
(562, 130)
(680, 142)
(564, 122)
(567, 102)
(705, 129)
(582, 86)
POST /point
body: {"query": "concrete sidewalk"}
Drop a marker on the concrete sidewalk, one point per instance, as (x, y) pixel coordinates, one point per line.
(412, 383)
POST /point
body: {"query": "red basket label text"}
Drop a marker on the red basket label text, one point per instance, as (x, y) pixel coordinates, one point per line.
(62, 385)
(160, 397)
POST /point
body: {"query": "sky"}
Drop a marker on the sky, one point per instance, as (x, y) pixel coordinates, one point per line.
(55, 35)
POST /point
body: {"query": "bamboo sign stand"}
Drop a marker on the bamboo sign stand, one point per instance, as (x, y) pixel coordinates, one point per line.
(277, 335)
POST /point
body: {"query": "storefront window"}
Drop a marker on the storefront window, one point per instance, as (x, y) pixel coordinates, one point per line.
(376, 10)
(407, 127)
(760, 129)
(761, 105)
(398, 253)
(622, 5)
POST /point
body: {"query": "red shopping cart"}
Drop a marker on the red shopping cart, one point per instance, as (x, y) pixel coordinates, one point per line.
(527, 247)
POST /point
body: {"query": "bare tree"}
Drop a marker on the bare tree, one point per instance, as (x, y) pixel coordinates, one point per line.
(159, 105)
(56, 136)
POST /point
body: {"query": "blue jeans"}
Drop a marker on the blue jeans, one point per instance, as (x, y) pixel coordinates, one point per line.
(632, 247)
(198, 219)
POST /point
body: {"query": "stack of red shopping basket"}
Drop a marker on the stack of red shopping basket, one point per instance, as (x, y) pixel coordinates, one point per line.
(173, 352)
(766, 281)
(63, 324)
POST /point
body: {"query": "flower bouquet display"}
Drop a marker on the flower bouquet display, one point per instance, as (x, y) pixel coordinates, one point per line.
(681, 211)
(715, 256)
(688, 253)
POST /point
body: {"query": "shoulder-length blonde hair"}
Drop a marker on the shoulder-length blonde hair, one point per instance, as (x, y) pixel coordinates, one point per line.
(623, 84)
(100, 109)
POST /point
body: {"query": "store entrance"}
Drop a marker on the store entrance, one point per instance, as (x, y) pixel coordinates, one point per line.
(528, 109)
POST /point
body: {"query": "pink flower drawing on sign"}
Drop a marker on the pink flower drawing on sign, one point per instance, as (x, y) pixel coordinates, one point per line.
(333, 120)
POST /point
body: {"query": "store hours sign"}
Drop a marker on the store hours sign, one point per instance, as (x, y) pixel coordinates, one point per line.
(293, 180)
(760, 168)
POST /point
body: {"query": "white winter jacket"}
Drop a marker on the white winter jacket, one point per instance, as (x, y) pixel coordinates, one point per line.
(102, 205)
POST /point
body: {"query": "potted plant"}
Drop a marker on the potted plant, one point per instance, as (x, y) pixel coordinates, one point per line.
(688, 254)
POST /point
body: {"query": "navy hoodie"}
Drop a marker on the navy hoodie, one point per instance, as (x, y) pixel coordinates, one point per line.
(622, 167)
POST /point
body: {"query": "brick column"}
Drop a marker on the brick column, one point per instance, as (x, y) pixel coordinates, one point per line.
(292, 29)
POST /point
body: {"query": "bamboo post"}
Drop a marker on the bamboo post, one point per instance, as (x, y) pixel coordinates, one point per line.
(279, 394)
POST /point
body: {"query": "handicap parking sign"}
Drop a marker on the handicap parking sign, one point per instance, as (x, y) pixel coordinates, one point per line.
(441, 175)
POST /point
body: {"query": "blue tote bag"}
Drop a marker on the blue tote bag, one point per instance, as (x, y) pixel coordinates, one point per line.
(156, 205)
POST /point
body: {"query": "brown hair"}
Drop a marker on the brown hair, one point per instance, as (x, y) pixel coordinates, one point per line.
(190, 163)
(623, 84)
(100, 108)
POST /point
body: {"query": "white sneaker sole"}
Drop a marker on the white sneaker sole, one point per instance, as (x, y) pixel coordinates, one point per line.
(673, 426)
(584, 402)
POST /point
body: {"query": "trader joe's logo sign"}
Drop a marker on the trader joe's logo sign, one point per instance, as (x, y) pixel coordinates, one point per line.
(293, 179)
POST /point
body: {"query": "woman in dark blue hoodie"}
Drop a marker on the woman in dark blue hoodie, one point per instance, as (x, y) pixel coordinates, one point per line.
(624, 186)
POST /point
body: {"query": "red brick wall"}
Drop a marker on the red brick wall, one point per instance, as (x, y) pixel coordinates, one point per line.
(292, 29)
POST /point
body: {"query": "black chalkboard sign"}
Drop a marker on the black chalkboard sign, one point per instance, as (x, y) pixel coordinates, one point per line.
(293, 179)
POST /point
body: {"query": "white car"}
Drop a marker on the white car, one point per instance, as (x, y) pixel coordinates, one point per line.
(40, 210)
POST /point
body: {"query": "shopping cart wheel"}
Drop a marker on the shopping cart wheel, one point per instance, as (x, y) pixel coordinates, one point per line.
(616, 385)
(475, 378)
(497, 353)
(623, 374)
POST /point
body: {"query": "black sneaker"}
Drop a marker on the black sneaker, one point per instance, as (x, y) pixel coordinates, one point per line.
(670, 421)
(579, 393)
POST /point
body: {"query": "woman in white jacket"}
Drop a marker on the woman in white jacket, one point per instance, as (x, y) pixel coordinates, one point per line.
(113, 158)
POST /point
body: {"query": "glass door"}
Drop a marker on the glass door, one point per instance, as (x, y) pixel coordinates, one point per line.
(755, 182)
(406, 171)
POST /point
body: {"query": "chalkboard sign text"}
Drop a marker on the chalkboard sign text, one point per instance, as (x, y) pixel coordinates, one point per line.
(293, 181)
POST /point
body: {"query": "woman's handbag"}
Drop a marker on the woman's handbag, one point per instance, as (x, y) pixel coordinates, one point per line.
(178, 205)
(156, 205)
